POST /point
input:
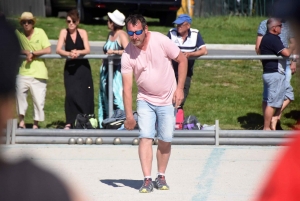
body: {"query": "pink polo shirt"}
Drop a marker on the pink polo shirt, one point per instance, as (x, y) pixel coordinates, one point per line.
(152, 69)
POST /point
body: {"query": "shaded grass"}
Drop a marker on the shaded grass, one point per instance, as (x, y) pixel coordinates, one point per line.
(230, 91)
(214, 30)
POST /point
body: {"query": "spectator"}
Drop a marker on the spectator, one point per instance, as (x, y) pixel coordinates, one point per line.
(190, 43)
(284, 181)
(117, 40)
(286, 37)
(148, 56)
(276, 89)
(23, 180)
(77, 73)
(33, 73)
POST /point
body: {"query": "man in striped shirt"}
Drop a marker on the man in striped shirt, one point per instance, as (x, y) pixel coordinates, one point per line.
(190, 43)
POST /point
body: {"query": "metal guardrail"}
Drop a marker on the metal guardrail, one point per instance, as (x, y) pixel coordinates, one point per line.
(183, 137)
(107, 136)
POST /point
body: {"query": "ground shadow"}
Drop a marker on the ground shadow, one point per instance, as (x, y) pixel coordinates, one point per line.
(136, 184)
(295, 115)
(56, 124)
(252, 121)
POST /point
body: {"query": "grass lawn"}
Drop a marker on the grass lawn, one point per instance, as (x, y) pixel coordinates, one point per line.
(214, 30)
(230, 91)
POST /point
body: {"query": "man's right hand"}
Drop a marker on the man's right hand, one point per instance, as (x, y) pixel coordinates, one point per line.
(129, 123)
(29, 56)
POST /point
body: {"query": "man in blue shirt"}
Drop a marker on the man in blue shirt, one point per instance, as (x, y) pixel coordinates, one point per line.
(190, 43)
(286, 37)
(276, 89)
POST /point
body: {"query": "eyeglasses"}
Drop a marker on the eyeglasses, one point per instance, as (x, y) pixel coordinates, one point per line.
(279, 25)
(27, 22)
(130, 33)
(69, 21)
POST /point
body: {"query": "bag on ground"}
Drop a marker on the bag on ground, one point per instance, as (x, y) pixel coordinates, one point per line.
(179, 119)
(86, 121)
(191, 123)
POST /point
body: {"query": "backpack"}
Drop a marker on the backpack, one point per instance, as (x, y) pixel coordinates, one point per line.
(86, 121)
(115, 121)
(191, 123)
(179, 119)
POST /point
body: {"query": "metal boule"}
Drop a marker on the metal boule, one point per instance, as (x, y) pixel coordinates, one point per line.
(117, 141)
(135, 141)
(72, 141)
(156, 141)
(79, 141)
(98, 140)
(88, 140)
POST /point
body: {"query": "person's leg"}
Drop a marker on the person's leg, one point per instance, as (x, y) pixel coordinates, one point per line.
(165, 129)
(146, 121)
(38, 90)
(22, 88)
(268, 114)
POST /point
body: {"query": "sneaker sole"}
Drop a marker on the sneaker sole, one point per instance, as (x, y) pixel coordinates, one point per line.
(145, 191)
(163, 188)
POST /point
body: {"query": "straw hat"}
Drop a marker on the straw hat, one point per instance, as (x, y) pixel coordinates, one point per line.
(27, 16)
(117, 17)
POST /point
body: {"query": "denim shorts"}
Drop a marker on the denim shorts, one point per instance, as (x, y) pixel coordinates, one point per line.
(275, 88)
(156, 120)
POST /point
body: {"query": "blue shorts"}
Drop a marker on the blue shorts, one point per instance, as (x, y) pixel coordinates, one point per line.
(276, 89)
(152, 119)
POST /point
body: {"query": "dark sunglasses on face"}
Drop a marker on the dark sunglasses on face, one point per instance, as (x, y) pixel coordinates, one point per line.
(69, 21)
(130, 33)
(280, 25)
(27, 22)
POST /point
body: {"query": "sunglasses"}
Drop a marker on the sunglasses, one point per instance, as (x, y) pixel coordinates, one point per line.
(130, 33)
(69, 21)
(280, 25)
(27, 22)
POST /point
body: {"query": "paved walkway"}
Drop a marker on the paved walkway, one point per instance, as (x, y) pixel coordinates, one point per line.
(196, 173)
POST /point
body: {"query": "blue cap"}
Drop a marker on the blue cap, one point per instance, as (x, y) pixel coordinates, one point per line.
(183, 18)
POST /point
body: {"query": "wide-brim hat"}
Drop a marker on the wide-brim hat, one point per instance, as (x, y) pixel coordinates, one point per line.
(117, 17)
(27, 16)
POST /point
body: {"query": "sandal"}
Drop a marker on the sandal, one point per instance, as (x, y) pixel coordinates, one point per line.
(21, 127)
(35, 127)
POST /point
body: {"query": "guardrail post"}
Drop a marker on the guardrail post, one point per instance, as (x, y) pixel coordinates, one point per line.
(217, 132)
(13, 131)
(110, 86)
(8, 131)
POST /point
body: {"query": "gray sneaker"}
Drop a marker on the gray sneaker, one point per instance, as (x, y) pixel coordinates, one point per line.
(161, 183)
(147, 186)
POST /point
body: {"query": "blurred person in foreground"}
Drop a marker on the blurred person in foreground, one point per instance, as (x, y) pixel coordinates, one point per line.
(33, 73)
(117, 40)
(22, 180)
(283, 182)
(148, 57)
(276, 90)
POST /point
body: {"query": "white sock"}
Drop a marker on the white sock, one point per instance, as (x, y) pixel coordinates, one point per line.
(147, 177)
(162, 174)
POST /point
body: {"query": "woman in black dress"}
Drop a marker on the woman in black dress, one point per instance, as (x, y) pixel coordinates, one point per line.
(77, 73)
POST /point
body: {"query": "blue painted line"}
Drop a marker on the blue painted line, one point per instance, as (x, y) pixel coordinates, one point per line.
(205, 180)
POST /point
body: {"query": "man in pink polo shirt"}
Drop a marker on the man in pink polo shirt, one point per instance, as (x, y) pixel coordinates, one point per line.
(148, 56)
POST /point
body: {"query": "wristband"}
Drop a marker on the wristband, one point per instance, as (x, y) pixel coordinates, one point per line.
(294, 57)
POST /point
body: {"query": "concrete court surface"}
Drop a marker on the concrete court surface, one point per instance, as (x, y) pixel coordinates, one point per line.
(112, 172)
